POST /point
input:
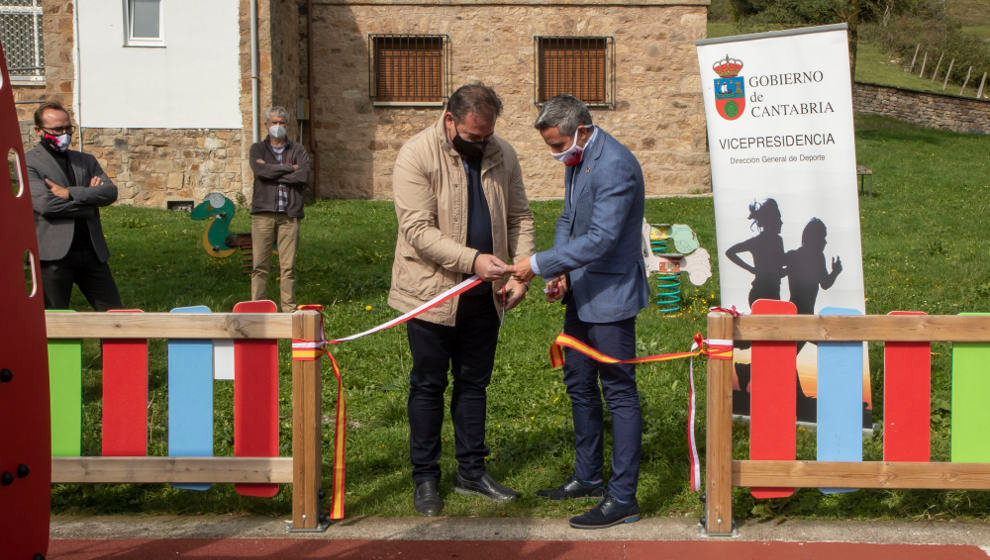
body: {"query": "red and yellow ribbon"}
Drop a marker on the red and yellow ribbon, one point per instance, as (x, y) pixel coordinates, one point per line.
(568, 341)
(714, 349)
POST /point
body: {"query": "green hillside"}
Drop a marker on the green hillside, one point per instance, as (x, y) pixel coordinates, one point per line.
(874, 63)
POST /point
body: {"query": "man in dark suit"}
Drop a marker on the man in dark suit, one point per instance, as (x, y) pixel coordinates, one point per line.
(596, 267)
(67, 189)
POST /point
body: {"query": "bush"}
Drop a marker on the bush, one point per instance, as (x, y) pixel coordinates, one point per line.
(904, 32)
(720, 11)
(791, 12)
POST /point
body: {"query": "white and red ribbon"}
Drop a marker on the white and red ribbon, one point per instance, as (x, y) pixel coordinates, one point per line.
(464, 286)
(313, 349)
(717, 350)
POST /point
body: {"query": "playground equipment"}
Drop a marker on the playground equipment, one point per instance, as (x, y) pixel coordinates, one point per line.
(25, 455)
(668, 250)
(218, 240)
(255, 468)
(772, 469)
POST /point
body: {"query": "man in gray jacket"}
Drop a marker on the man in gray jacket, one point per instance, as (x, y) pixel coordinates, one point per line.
(281, 168)
(67, 189)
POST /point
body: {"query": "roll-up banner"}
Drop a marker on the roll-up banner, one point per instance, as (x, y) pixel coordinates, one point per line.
(783, 157)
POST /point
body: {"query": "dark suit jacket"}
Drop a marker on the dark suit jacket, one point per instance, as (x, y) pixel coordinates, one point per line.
(598, 239)
(268, 175)
(54, 217)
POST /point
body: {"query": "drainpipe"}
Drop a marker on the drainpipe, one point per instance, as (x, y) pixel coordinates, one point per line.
(78, 77)
(314, 154)
(254, 70)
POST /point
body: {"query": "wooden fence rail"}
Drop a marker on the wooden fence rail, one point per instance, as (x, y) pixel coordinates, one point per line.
(303, 469)
(723, 473)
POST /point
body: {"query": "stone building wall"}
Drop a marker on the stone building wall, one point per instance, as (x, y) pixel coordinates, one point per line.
(153, 166)
(658, 114)
(932, 110)
(658, 111)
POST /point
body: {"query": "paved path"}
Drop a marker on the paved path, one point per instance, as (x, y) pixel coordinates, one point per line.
(499, 550)
(238, 537)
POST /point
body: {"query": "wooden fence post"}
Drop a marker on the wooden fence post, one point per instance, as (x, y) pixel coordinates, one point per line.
(718, 467)
(947, 73)
(979, 92)
(937, 66)
(914, 58)
(966, 81)
(923, 61)
(307, 460)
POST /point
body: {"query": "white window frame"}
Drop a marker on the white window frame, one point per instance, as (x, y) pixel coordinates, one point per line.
(35, 10)
(131, 41)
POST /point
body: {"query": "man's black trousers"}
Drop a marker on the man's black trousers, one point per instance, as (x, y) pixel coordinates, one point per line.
(467, 350)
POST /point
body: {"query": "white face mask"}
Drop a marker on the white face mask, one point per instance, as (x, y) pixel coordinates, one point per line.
(276, 131)
(571, 156)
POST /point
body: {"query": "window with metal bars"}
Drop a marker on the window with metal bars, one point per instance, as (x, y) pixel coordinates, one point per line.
(409, 69)
(580, 66)
(22, 38)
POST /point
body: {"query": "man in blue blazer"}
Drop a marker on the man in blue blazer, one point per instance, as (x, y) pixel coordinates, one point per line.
(596, 267)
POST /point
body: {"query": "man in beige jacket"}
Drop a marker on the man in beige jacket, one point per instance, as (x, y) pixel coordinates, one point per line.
(461, 209)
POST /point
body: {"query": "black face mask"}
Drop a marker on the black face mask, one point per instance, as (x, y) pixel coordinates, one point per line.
(469, 150)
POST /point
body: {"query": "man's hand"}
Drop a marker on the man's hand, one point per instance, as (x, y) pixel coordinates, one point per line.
(489, 267)
(556, 288)
(57, 190)
(96, 182)
(259, 160)
(521, 271)
(513, 292)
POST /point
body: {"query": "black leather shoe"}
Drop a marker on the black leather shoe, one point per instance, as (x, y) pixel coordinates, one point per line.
(607, 513)
(574, 488)
(427, 499)
(486, 487)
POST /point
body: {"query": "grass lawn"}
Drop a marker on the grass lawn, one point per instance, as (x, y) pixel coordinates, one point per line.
(925, 248)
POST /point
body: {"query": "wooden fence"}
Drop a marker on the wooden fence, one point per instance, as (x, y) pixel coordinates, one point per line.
(302, 469)
(723, 472)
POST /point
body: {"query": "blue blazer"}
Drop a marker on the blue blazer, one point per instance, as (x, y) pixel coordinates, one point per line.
(598, 239)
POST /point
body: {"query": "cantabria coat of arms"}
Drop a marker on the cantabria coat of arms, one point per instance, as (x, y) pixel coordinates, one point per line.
(730, 94)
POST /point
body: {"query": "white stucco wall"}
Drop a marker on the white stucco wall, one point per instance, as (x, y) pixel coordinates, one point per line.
(191, 82)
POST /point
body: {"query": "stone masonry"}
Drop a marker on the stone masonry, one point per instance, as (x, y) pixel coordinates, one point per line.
(658, 113)
(153, 166)
(932, 110)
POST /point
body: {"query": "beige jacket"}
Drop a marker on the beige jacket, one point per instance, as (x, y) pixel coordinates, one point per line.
(429, 186)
